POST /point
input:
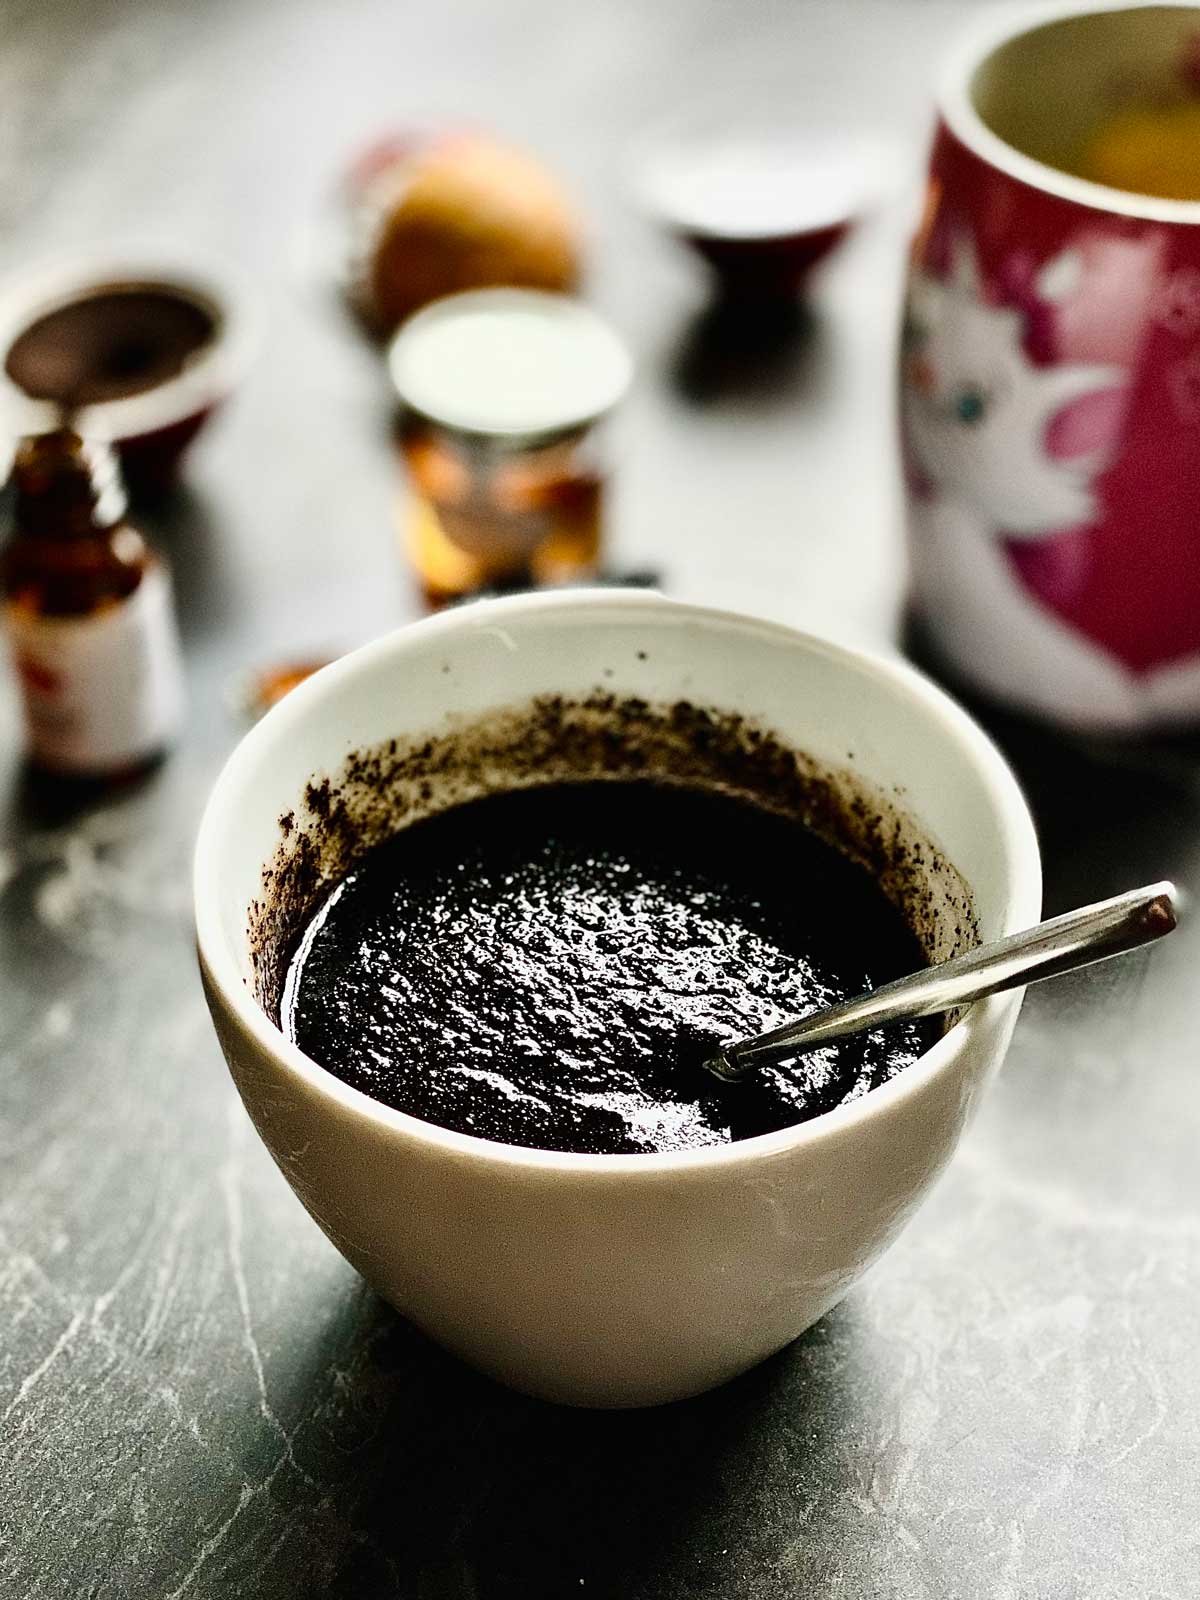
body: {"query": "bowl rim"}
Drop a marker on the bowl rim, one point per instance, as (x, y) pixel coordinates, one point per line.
(220, 964)
(954, 103)
(208, 376)
(863, 152)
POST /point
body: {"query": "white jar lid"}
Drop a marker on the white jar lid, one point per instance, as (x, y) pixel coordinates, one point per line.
(509, 362)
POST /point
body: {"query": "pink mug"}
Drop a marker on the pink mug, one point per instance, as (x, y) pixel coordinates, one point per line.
(1051, 379)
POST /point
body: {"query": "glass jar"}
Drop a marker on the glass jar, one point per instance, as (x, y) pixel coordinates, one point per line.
(501, 395)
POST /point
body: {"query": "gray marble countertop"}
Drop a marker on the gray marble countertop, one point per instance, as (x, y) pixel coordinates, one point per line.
(197, 1396)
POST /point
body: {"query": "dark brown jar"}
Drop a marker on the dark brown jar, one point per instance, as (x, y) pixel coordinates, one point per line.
(88, 613)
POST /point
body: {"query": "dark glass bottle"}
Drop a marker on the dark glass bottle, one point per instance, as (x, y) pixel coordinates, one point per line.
(88, 613)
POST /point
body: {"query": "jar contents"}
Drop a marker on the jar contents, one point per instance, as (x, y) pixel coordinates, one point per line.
(549, 967)
(501, 391)
(109, 343)
(88, 613)
(484, 519)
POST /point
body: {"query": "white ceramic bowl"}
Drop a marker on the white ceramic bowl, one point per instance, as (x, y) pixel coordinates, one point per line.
(613, 1280)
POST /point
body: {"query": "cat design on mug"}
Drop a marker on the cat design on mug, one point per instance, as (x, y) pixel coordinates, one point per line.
(1006, 453)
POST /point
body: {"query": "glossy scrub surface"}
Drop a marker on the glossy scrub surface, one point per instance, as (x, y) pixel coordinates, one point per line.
(549, 967)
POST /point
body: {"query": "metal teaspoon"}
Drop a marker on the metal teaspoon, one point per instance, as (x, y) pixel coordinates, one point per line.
(1077, 939)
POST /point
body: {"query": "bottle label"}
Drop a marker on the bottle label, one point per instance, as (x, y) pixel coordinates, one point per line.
(104, 691)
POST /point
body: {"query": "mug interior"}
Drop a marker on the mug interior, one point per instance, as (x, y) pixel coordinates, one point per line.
(1027, 92)
(461, 704)
(1047, 90)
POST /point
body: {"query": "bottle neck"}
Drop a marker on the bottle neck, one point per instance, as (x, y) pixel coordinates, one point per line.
(66, 487)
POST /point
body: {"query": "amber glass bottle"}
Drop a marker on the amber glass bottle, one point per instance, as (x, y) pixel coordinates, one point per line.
(481, 518)
(88, 614)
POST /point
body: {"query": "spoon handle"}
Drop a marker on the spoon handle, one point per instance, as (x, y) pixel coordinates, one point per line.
(1093, 933)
